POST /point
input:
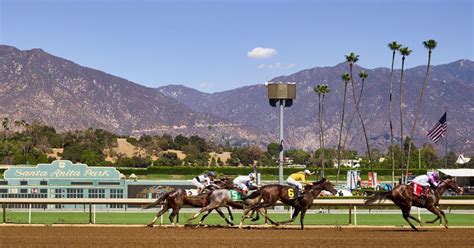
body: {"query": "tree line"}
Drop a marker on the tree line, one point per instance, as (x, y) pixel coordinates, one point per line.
(31, 144)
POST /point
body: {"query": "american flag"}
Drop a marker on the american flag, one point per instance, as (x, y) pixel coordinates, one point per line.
(439, 130)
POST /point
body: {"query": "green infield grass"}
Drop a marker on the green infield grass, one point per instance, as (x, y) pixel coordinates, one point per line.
(214, 219)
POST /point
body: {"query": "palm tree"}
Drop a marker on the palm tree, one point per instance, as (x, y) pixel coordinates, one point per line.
(363, 75)
(404, 51)
(430, 45)
(345, 77)
(321, 90)
(394, 46)
(325, 90)
(351, 59)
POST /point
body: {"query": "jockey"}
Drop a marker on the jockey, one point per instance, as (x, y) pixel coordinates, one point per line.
(430, 179)
(244, 182)
(204, 180)
(298, 179)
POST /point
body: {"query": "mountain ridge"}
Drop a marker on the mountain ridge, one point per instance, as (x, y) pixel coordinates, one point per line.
(37, 86)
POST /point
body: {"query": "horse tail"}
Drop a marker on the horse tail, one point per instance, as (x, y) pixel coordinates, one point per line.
(254, 194)
(379, 196)
(158, 201)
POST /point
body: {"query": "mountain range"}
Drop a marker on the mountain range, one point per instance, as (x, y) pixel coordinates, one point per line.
(37, 86)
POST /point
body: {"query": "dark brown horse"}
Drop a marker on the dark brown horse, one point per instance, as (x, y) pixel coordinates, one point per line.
(177, 198)
(273, 193)
(403, 197)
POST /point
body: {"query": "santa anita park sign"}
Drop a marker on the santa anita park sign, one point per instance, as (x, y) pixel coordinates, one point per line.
(61, 169)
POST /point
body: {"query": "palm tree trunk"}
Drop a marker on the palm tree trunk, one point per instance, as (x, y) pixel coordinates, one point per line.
(322, 134)
(390, 120)
(340, 134)
(353, 113)
(320, 130)
(362, 123)
(401, 116)
(418, 110)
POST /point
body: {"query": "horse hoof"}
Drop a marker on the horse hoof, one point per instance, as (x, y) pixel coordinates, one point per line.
(149, 225)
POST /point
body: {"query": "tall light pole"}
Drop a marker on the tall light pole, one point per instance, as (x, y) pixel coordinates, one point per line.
(283, 94)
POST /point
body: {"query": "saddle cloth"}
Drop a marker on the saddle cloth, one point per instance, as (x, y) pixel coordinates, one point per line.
(418, 189)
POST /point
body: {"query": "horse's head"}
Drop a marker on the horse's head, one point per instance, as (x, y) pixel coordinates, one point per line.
(453, 185)
(324, 184)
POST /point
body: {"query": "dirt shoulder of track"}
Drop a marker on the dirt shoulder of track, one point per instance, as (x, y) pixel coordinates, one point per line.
(72, 236)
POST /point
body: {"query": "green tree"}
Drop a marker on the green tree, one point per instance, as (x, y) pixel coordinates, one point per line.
(405, 52)
(345, 77)
(5, 125)
(273, 149)
(298, 156)
(430, 45)
(213, 162)
(168, 159)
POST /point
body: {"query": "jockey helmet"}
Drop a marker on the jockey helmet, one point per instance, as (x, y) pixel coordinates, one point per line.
(434, 175)
(307, 172)
(211, 174)
(252, 175)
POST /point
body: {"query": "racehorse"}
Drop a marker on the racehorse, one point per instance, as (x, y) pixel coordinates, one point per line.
(224, 198)
(403, 197)
(175, 200)
(270, 194)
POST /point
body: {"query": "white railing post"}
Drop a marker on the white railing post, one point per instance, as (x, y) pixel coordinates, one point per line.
(94, 214)
(29, 213)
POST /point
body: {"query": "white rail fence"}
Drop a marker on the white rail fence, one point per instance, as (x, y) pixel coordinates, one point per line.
(352, 204)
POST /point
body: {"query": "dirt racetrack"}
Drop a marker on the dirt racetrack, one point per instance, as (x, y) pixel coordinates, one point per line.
(73, 236)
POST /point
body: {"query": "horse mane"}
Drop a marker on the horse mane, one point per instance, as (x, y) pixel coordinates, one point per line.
(321, 181)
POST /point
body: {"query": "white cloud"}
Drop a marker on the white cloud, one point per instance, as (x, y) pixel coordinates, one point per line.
(261, 53)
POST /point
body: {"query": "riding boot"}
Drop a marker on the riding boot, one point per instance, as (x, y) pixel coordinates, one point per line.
(423, 196)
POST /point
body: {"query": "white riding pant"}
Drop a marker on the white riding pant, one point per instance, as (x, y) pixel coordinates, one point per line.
(421, 180)
(293, 182)
(242, 187)
(199, 185)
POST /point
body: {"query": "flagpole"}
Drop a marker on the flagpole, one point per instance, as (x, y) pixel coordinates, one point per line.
(446, 148)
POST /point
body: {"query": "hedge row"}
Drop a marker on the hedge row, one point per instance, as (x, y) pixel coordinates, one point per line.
(185, 170)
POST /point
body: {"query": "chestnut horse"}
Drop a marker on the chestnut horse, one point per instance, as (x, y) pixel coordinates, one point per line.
(403, 197)
(272, 193)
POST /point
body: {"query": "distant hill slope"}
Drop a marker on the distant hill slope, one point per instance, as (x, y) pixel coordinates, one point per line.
(37, 86)
(450, 86)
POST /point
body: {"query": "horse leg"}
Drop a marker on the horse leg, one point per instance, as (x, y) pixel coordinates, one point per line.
(244, 216)
(263, 212)
(204, 217)
(440, 214)
(293, 217)
(415, 219)
(303, 212)
(257, 216)
(162, 211)
(223, 216)
(211, 206)
(406, 215)
(230, 213)
(172, 215)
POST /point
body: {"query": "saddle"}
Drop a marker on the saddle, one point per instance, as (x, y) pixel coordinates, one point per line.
(293, 192)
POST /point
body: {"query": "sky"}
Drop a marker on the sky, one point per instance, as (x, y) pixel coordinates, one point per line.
(214, 46)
